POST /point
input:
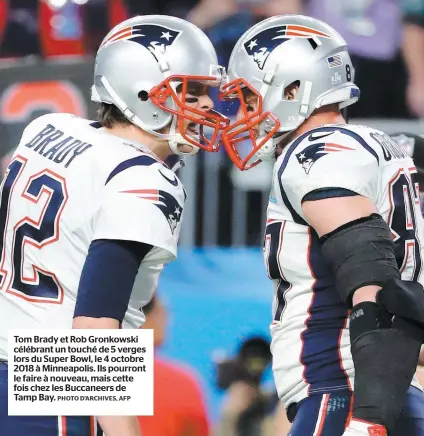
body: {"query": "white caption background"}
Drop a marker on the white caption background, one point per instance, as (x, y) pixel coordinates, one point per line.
(80, 372)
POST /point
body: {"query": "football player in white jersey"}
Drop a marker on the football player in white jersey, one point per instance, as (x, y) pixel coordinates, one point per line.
(85, 205)
(344, 236)
(414, 145)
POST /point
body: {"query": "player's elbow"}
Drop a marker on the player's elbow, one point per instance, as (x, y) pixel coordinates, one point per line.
(365, 293)
(85, 322)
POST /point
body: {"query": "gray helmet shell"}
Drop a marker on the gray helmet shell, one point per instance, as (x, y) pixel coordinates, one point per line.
(138, 55)
(285, 49)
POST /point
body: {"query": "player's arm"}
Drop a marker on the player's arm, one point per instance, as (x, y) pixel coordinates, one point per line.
(131, 220)
(336, 198)
(127, 227)
(106, 283)
(104, 292)
(384, 330)
(329, 214)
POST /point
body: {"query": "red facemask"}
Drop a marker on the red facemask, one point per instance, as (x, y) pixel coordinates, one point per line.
(204, 118)
(247, 126)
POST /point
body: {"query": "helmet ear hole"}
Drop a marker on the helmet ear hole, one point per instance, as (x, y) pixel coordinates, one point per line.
(143, 95)
(291, 90)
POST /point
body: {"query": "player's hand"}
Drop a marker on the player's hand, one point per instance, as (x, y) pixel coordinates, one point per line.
(363, 428)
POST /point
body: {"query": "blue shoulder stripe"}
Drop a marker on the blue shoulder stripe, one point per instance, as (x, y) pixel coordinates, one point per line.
(330, 129)
(321, 194)
(298, 219)
(135, 161)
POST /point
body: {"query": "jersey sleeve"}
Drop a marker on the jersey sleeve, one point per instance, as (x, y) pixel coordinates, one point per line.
(336, 161)
(143, 204)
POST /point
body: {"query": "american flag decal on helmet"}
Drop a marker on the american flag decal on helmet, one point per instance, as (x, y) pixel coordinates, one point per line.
(152, 36)
(164, 201)
(311, 154)
(263, 43)
(334, 61)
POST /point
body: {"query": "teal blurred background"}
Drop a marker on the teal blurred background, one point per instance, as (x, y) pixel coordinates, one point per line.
(215, 297)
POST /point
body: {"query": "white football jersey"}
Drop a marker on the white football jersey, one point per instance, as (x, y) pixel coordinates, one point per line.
(70, 183)
(310, 337)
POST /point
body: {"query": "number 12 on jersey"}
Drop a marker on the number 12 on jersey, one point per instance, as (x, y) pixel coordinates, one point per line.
(29, 220)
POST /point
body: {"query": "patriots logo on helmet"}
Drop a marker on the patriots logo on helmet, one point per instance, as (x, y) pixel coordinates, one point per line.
(311, 154)
(152, 36)
(164, 201)
(263, 43)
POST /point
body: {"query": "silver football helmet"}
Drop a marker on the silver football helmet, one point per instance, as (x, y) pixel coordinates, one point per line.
(275, 54)
(144, 67)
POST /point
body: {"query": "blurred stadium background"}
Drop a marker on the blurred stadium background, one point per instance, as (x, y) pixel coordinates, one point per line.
(217, 292)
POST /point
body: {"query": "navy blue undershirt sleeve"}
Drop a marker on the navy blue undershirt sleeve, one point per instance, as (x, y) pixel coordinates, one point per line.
(321, 194)
(108, 277)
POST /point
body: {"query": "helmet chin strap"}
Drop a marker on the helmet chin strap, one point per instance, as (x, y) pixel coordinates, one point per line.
(176, 140)
(267, 152)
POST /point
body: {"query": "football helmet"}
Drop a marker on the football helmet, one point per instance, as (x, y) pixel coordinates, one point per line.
(144, 67)
(275, 54)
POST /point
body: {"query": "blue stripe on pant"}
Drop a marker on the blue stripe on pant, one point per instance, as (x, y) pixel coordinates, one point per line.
(326, 415)
(39, 425)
